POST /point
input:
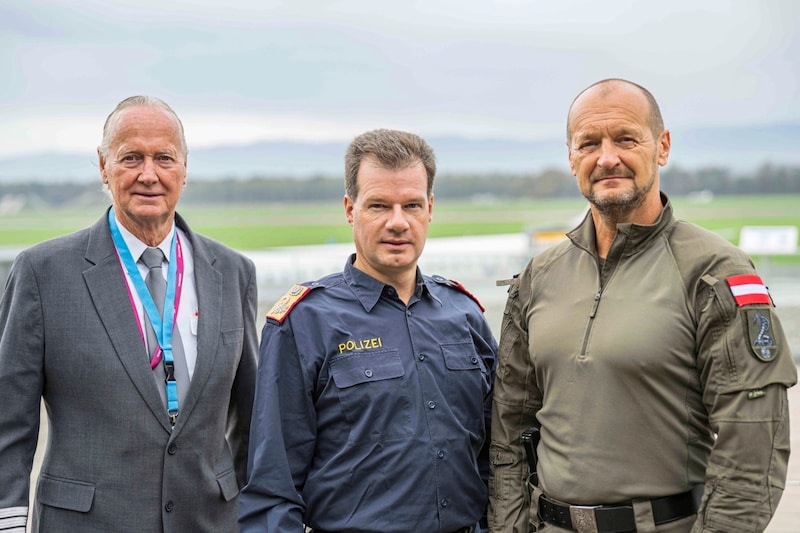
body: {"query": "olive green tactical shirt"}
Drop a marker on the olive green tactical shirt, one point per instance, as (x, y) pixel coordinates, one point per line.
(647, 378)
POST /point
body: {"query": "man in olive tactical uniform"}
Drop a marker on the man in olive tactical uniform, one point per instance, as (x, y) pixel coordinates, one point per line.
(646, 352)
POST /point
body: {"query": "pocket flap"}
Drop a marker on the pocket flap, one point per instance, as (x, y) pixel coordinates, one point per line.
(65, 493)
(228, 485)
(460, 356)
(355, 369)
(233, 336)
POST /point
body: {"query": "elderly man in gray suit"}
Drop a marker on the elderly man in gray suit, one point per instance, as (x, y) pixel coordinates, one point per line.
(148, 390)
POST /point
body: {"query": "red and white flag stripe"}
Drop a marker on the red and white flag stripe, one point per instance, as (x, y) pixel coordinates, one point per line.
(748, 289)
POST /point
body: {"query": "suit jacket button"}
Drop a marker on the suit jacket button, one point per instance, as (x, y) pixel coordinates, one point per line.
(172, 449)
(169, 507)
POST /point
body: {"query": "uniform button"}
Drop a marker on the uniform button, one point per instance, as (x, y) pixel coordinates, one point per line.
(172, 449)
(421, 357)
(440, 453)
(432, 404)
(368, 373)
(169, 507)
(474, 360)
(444, 502)
(408, 312)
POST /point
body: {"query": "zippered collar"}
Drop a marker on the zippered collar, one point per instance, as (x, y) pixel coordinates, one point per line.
(630, 238)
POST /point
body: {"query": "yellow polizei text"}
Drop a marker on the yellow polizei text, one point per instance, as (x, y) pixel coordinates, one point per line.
(360, 344)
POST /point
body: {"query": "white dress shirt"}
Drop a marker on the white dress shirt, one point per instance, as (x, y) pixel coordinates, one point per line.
(187, 310)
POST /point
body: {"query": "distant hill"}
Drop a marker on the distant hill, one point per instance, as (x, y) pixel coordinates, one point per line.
(741, 148)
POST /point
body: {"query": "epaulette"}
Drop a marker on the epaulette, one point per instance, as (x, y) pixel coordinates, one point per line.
(286, 303)
(457, 285)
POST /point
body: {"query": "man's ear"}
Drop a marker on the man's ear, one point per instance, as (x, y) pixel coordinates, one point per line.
(569, 158)
(101, 163)
(664, 143)
(348, 209)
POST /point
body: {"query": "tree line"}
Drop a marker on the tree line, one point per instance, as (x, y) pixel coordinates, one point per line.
(551, 183)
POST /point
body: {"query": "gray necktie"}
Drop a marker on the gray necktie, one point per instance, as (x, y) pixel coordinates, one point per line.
(152, 259)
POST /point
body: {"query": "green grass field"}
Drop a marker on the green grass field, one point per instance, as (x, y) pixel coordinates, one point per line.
(255, 227)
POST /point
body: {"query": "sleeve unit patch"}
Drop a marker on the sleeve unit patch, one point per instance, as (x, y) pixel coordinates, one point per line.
(285, 303)
(748, 289)
(760, 335)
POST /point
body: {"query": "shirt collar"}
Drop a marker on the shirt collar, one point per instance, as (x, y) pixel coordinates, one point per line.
(137, 247)
(369, 290)
(630, 237)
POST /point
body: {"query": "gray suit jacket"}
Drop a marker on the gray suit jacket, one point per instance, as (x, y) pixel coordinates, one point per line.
(113, 463)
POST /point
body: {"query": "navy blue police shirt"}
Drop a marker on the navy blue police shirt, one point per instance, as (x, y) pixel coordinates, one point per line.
(371, 415)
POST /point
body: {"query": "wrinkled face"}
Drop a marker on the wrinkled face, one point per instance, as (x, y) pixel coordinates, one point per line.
(390, 219)
(145, 169)
(613, 152)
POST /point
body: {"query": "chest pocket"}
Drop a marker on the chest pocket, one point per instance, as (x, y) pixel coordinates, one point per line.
(467, 384)
(374, 395)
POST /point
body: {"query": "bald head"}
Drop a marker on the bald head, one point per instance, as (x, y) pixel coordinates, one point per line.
(609, 86)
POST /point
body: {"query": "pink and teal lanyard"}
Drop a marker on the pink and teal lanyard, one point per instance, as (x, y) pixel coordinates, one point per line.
(162, 327)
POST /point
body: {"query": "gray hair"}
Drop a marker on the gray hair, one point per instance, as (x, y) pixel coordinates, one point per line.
(110, 126)
(391, 149)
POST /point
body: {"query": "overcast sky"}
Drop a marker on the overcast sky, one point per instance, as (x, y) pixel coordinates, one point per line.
(237, 71)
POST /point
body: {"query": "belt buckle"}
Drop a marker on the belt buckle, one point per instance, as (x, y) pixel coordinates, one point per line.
(583, 518)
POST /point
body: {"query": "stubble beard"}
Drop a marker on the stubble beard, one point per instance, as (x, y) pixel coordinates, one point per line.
(619, 207)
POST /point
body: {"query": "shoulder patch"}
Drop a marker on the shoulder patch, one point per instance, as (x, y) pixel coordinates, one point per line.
(748, 289)
(457, 285)
(763, 342)
(286, 303)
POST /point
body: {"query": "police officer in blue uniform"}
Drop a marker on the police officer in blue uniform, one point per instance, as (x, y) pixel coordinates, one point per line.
(374, 385)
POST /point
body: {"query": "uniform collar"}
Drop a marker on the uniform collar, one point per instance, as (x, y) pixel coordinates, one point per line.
(369, 290)
(630, 239)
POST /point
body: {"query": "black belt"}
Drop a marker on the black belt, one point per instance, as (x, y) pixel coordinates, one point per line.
(617, 518)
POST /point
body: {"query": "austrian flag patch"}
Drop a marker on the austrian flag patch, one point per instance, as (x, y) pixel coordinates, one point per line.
(748, 289)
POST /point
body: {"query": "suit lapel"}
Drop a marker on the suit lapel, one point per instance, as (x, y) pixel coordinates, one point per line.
(106, 285)
(208, 283)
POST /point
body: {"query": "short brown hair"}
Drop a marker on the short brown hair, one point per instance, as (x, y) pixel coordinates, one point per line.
(391, 149)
